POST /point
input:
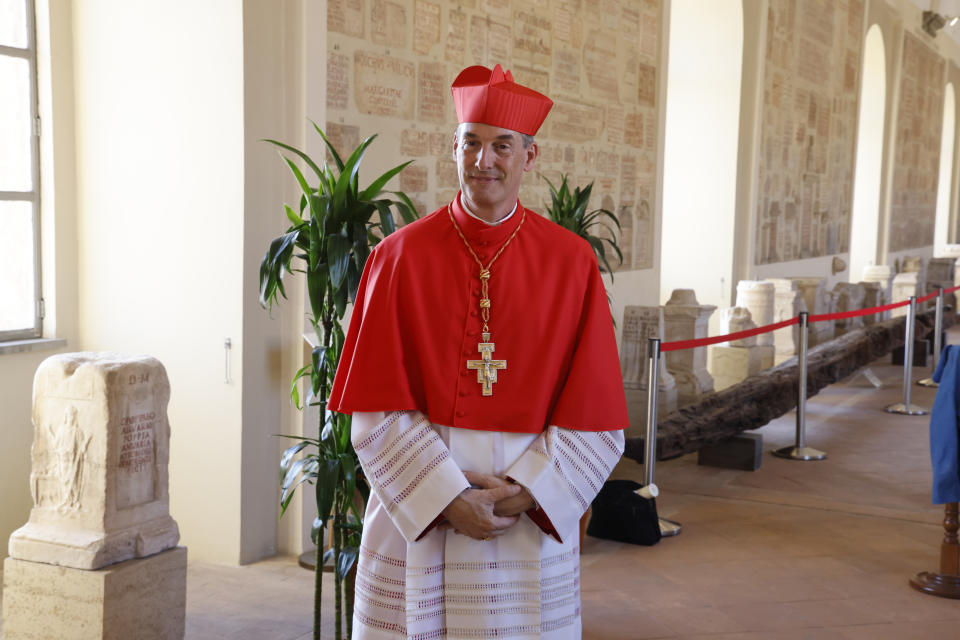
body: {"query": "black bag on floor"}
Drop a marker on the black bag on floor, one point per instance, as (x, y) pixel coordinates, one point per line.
(622, 515)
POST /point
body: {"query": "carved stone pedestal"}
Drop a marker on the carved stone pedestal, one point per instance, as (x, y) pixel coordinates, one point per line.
(686, 319)
(640, 324)
(788, 303)
(143, 598)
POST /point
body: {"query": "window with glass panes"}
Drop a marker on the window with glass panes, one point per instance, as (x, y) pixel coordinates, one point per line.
(20, 303)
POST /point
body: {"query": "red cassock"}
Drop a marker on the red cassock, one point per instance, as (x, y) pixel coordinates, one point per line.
(417, 322)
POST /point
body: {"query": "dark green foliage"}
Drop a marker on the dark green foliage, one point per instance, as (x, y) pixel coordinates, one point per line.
(569, 210)
(329, 237)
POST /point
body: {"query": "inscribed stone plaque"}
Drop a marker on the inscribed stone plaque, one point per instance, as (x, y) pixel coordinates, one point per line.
(628, 179)
(441, 144)
(447, 173)
(531, 37)
(566, 72)
(338, 82)
(575, 122)
(413, 179)
(383, 85)
(433, 91)
(456, 42)
(532, 78)
(614, 123)
(600, 64)
(344, 138)
(426, 26)
(413, 142)
(647, 89)
(99, 462)
(489, 40)
(346, 16)
(633, 132)
(388, 24)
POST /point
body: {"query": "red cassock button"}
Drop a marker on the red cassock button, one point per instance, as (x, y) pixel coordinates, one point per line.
(460, 414)
(464, 393)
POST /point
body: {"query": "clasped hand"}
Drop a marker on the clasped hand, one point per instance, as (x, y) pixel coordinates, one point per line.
(489, 510)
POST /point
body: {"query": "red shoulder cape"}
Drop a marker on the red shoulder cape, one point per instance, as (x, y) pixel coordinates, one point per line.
(416, 323)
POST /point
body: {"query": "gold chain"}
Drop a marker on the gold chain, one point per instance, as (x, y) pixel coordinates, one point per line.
(485, 271)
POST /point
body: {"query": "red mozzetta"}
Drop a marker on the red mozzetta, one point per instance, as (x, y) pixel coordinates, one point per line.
(416, 323)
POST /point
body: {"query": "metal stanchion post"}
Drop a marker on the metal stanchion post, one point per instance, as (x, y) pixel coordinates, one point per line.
(937, 340)
(800, 450)
(667, 527)
(906, 407)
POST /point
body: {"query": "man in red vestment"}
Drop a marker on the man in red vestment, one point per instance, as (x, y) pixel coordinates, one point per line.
(481, 370)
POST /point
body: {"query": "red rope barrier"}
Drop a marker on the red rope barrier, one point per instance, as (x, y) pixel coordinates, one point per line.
(676, 345)
(841, 315)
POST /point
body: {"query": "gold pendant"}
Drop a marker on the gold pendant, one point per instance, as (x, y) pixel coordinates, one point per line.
(487, 367)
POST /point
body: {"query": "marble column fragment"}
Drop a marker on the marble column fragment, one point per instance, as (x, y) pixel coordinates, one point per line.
(686, 319)
(640, 324)
(881, 275)
(848, 296)
(788, 303)
(732, 362)
(874, 295)
(905, 285)
(951, 251)
(818, 301)
(759, 297)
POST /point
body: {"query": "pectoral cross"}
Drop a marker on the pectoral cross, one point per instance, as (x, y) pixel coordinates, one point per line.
(487, 367)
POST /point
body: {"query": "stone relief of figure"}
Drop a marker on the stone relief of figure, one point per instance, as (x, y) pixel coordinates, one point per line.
(69, 444)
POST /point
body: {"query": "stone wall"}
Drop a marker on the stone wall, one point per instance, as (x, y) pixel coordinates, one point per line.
(808, 128)
(391, 63)
(917, 160)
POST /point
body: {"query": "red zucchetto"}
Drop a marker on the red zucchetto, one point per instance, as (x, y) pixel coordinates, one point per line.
(492, 97)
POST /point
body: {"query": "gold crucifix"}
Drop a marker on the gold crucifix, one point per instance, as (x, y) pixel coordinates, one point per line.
(487, 367)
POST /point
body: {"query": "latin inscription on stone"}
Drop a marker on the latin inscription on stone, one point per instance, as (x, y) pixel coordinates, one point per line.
(566, 72)
(433, 92)
(633, 134)
(536, 80)
(388, 24)
(456, 42)
(413, 142)
(136, 461)
(647, 86)
(338, 81)
(383, 86)
(426, 26)
(489, 40)
(447, 173)
(413, 179)
(441, 144)
(531, 37)
(344, 138)
(346, 16)
(575, 122)
(600, 64)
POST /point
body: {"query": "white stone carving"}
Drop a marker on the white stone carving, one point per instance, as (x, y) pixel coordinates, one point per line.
(848, 297)
(788, 303)
(734, 320)
(874, 295)
(905, 285)
(758, 296)
(100, 454)
(686, 319)
(881, 274)
(640, 324)
(818, 301)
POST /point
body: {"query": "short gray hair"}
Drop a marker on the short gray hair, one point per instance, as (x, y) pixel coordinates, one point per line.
(526, 139)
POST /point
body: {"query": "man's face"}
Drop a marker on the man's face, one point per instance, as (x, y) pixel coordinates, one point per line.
(490, 163)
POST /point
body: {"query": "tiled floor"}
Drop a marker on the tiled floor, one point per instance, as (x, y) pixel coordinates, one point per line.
(797, 550)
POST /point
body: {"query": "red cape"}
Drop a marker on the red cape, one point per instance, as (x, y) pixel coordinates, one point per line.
(416, 323)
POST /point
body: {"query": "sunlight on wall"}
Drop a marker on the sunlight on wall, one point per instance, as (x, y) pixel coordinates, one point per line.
(700, 169)
(865, 221)
(942, 224)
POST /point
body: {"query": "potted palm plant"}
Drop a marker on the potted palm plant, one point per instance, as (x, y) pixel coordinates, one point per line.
(329, 239)
(569, 209)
